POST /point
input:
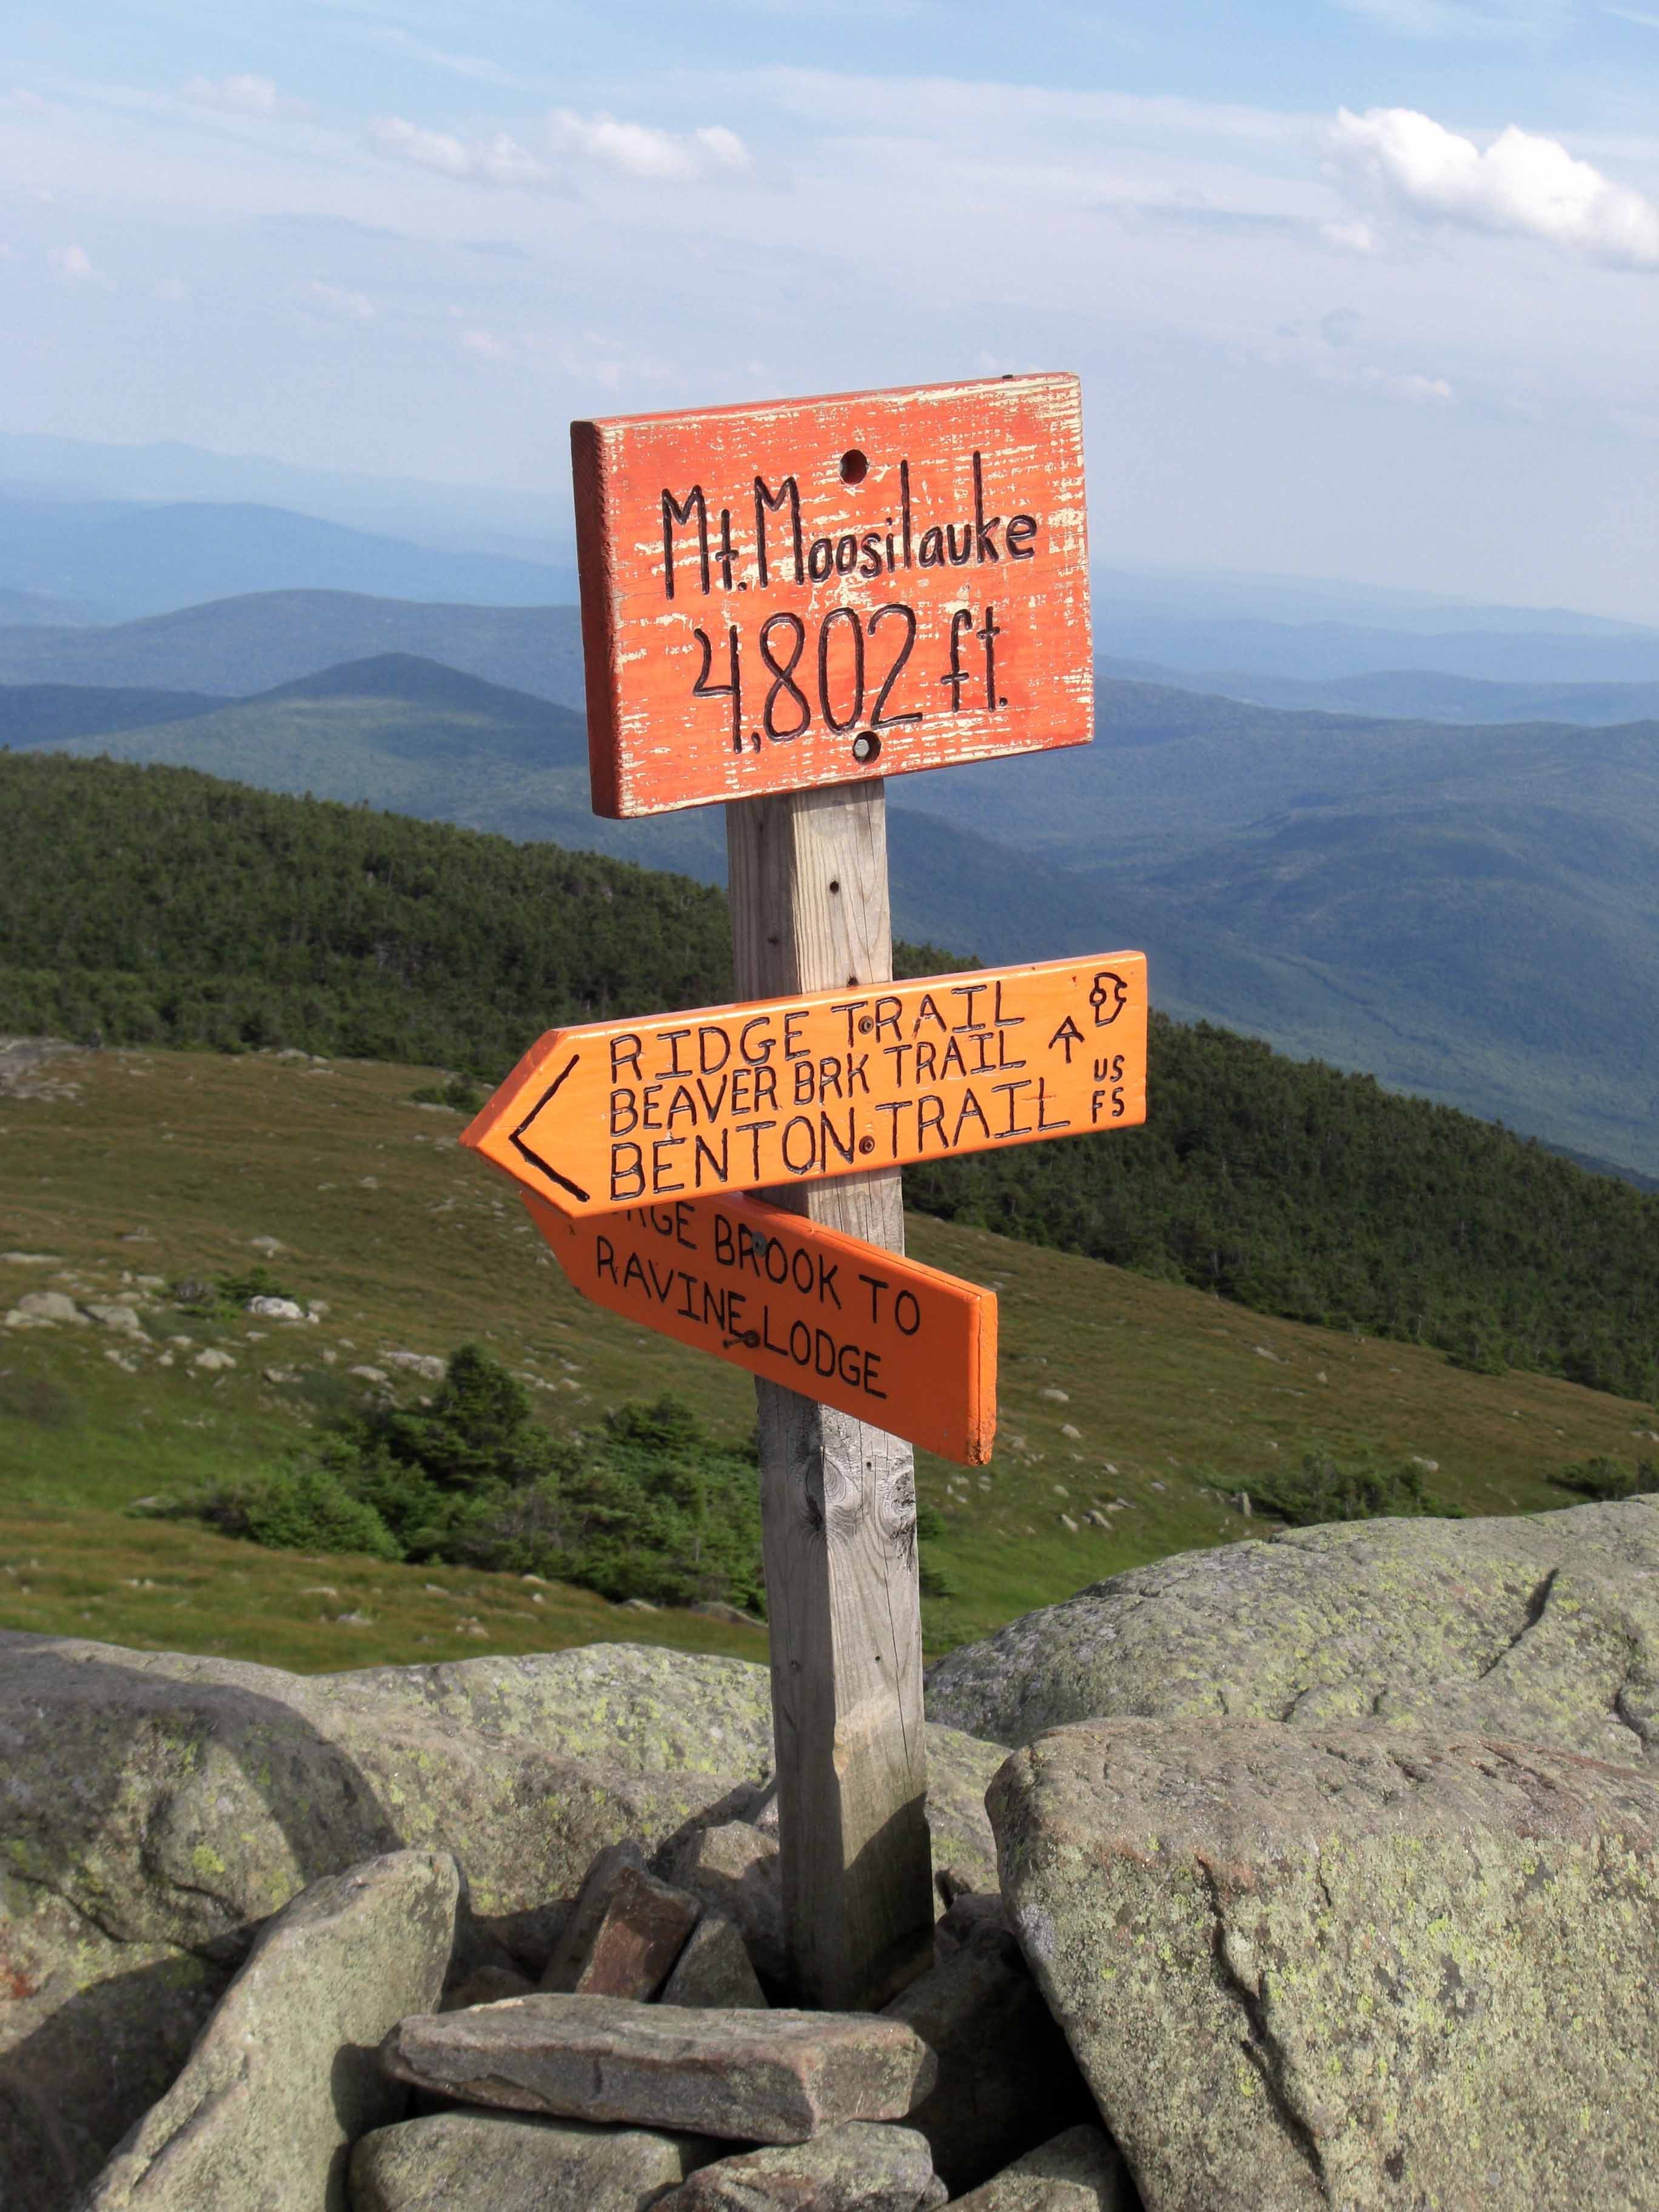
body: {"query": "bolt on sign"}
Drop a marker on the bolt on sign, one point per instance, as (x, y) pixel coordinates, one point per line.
(906, 1347)
(815, 591)
(782, 1090)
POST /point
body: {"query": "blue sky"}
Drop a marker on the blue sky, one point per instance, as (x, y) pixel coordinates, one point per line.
(1361, 288)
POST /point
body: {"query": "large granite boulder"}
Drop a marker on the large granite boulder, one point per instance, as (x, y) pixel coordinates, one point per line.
(285, 2077)
(91, 2032)
(1316, 1967)
(1544, 1628)
(181, 1801)
(155, 1807)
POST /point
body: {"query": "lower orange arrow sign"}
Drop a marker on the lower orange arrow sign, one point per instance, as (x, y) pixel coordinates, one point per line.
(616, 1114)
(903, 1346)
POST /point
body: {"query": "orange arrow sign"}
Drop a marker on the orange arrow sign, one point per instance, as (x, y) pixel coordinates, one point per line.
(903, 1346)
(782, 1090)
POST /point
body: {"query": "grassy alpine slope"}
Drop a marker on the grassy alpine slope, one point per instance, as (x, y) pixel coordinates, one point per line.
(182, 910)
(1144, 1403)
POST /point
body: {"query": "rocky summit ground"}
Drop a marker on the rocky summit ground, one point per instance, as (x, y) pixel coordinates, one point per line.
(1318, 1872)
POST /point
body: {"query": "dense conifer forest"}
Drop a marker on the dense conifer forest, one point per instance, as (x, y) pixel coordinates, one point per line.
(159, 906)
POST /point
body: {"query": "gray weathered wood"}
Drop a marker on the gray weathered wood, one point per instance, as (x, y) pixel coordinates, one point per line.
(808, 877)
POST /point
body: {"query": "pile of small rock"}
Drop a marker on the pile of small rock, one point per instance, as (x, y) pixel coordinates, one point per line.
(648, 2069)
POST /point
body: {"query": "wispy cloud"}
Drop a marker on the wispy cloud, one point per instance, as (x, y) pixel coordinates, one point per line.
(1522, 185)
(74, 265)
(1513, 20)
(1634, 16)
(639, 149)
(475, 66)
(497, 160)
(234, 95)
(338, 302)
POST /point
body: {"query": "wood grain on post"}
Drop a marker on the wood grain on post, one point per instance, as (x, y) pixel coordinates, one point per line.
(808, 898)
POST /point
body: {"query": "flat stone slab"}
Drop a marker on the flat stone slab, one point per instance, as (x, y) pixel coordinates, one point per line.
(1306, 1968)
(498, 2162)
(1079, 2171)
(772, 2077)
(856, 2167)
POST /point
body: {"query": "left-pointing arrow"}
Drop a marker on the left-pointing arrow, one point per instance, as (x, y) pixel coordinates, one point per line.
(526, 1150)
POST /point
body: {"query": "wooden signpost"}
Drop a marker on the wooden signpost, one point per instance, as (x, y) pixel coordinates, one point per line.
(781, 605)
(876, 1336)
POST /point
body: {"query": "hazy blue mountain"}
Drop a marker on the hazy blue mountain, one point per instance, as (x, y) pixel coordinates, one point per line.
(137, 560)
(1227, 595)
(1318, 651)
(396, 730)
(462, 518)
(34, 608)
(1413, 694)
(36, 714)
(236, 646)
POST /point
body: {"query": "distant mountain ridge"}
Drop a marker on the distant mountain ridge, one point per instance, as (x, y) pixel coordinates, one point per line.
(1464, 910)
(132, 560)
(253, 641)
(1407, 694)
(1322, 652)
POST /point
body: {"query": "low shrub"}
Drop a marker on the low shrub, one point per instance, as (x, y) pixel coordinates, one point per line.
(459, 1092)
(1320, 1489)
(303, 1508)
(649, 1506)
(1607, 1480)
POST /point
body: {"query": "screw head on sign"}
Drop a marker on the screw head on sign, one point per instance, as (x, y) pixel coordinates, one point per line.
(866, 1144)
(866, 746)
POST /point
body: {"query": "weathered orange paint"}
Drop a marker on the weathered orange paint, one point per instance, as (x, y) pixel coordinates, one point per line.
(906, 1347)
(782, 1090)
(690, 571)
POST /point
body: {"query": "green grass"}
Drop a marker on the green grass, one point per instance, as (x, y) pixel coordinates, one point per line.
(130, 1170)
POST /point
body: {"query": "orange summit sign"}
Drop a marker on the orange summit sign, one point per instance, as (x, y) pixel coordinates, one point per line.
(783, 1090)
(867, 1331)
(815, 591)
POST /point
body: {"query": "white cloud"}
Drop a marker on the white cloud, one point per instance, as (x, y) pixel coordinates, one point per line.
(638, 149)
(485, 344)
(1350, 237)
(1522, 185)
(74, 264)
(499, 160)
(337, 299)
(171, 290)
(1425, 390)
(234, 95)
(427, 150)
(1634, 16)
(630, 149)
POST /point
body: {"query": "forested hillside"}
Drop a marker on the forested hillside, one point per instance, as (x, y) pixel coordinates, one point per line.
(162, 906)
